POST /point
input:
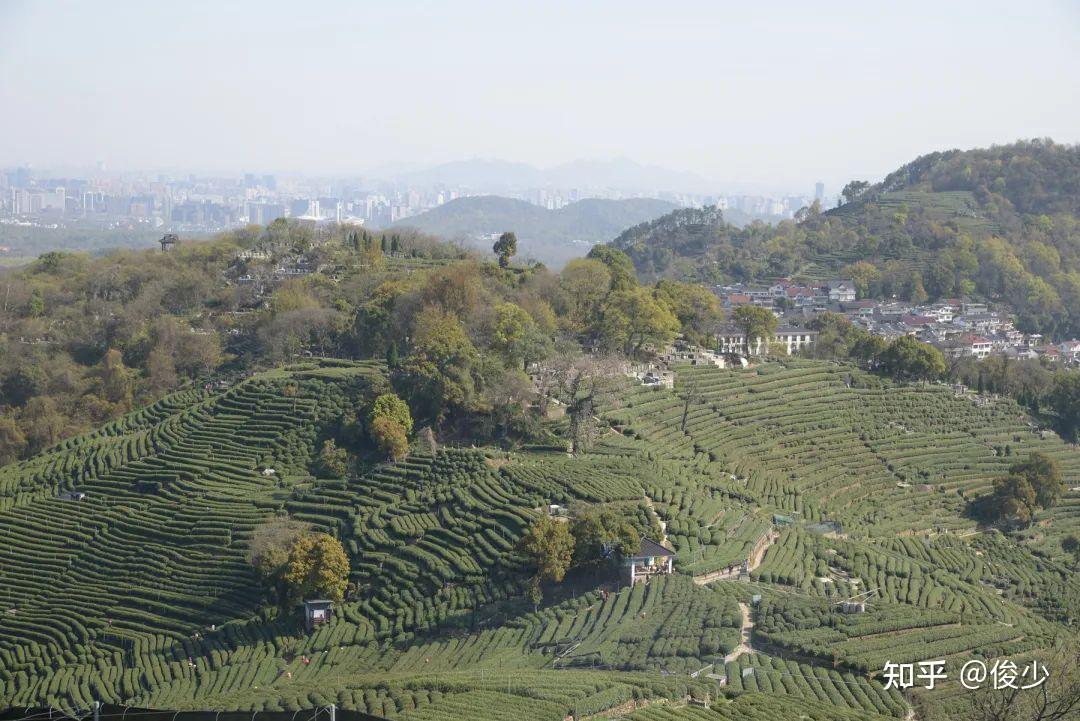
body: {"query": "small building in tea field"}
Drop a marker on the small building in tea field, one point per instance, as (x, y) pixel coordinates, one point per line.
(651, 559)
(317, 612)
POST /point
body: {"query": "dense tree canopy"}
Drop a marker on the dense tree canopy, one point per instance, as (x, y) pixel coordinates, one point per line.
(548, 544)
(909, 359)
(333, 461)
(601, 535)
(998, 223)
(634, 318)
(696, 307)
(1065, 400)
(390, 423)
(317, 568)
(1031, 485)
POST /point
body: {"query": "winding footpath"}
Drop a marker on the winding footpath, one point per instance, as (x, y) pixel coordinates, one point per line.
(763, 544)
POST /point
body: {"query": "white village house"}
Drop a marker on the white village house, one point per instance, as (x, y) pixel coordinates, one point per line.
(790, 338)
(841, 291)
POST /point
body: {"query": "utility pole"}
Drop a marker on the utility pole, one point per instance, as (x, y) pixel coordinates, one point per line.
(333, 712)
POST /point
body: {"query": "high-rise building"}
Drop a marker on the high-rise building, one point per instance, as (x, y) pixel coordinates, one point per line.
(819, 191)
(303, 206)
(330, 209)
(142, 206)
(264, 213)
(21, 177)
(20, 201)
(93, 201)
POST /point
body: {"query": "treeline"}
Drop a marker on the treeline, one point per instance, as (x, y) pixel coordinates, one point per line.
(459, 339)
(1005, 227)
(83, 340)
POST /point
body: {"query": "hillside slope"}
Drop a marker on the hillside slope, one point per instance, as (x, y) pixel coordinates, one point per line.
(551, 236)
(139, 592)
(1000, 223)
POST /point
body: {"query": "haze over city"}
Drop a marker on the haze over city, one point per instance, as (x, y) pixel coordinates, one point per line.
(770, 97)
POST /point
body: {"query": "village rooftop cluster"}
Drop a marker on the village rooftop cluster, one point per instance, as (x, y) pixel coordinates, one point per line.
(959, 327)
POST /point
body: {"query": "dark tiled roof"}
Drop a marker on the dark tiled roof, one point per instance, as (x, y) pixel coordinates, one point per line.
(650, 547)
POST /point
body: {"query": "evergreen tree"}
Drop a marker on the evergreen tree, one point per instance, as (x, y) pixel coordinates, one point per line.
(505, 248)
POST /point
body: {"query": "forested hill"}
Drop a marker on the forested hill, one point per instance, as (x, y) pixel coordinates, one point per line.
(551, 236)
(1000, 223)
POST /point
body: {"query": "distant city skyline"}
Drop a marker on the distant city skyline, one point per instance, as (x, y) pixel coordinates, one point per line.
(477, 175)
(773, 97)
(99, 198)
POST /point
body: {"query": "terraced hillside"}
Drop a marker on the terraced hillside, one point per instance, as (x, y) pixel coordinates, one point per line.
(802, 483)
(830, 443)
(867, 484)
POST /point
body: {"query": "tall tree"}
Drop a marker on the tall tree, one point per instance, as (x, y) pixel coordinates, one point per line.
(317, 568)
(1065, 400)
(516, 336)
(505, 248)
(757, 324)
(909, 359)
(634, 318)
(438, 375)
(333, 461)
(548, 543)
(584, 283)
(116, 379)
(696, 307)
(618, 264)
(389, 424)
(390, 437)
(12, 440)
(584, 383)
(1032, 484)
(602, 535)
(268, 553)
(854, 190)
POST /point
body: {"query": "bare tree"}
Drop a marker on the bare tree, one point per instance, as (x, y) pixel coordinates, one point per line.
(689, 398)
(427, 437)
(590, 386)
(552, 376)
(1058, 699)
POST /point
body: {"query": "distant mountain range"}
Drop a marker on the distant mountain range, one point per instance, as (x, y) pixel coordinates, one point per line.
(495, 176)
(550, 236)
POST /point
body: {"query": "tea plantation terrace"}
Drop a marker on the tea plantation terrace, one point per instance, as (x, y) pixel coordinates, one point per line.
(140, 592)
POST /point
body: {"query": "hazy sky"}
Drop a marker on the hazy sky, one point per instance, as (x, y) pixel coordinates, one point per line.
(776, 93)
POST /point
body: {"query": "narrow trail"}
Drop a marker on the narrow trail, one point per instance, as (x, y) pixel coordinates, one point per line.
(744, 646)
(756, 555)
(663, 523)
